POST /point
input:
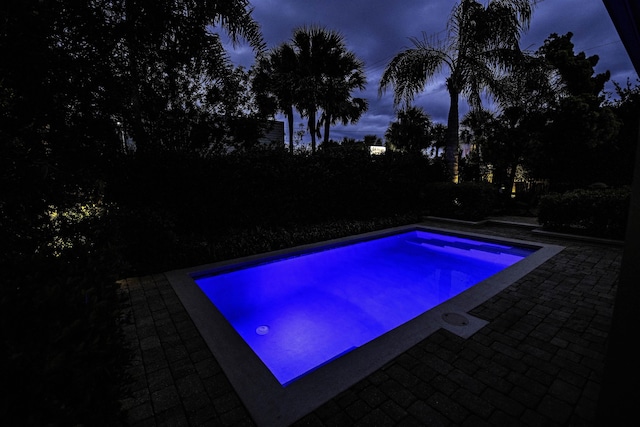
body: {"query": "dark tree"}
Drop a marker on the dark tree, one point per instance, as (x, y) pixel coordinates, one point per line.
(618, 159)
(524, 95)
(75, 77)
(275, 83)
(326, 75)
(579, 124)
(172, 63)
(411, 132)
(481, 40)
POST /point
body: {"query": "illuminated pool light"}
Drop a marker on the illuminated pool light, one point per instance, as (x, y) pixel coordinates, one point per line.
(302, 325)
(262, 330)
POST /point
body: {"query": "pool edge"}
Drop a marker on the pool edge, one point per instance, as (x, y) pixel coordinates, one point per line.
(271, 404)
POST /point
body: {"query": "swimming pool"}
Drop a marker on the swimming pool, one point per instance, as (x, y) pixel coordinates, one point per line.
(293, 328)
(300, 312)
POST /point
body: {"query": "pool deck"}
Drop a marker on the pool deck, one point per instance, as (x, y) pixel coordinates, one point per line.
(538, 362)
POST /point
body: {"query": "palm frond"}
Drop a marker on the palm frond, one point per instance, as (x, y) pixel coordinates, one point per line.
(409, 71)
(522, 9)
(235, 17)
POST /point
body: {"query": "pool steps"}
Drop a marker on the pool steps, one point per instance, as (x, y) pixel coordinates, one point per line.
(495, 249)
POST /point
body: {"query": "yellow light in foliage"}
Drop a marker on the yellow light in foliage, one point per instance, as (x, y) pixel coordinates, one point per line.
(71, 216)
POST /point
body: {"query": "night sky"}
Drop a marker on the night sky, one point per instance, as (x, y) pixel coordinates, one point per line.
(376, 30)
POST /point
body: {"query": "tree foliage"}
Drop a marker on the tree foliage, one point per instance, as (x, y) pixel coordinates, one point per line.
(274, 83)
(552, 120)
(76, 78)
(508, 138)
(315, 73)
(481, 41)
(174, 67)
(574, 70)
(618, 160)
(411, 132)
(76, 69)
(580, 127)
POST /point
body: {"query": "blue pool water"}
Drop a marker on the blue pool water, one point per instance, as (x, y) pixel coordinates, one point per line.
(300, 312)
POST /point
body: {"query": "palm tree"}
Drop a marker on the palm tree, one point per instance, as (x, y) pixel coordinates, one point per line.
(481, 41)
(345, 111)
(411, 131)
(327, 73)
(438, 138)
(344, 75)
(274, 84)
(314, 72)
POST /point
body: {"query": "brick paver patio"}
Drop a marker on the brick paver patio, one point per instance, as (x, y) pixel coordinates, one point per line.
(538, 362)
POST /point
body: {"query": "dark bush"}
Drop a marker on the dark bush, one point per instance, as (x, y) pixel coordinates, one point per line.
(63, 352)
(264, 239)
(271, 187)
(465, 201)
(162, 253)
(173, 208)
(598, 213)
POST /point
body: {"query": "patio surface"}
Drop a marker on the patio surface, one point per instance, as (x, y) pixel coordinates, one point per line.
(538, 362)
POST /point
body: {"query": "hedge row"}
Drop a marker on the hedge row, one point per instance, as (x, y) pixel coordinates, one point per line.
(598, 213)
(174, 207)
(175, 210)
(271, 187)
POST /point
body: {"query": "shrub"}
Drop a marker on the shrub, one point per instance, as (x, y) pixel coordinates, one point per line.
(234, 242)
(171, 208)
(63, 353)
(239, 243)
(466, 201)
(599, 213)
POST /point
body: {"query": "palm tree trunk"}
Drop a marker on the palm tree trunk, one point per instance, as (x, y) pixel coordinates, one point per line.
(327, 124)
(512, 179)
(290, 123)
(451, 149)
(312, 129)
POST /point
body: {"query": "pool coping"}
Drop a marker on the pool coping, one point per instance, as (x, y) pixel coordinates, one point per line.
(267, 401)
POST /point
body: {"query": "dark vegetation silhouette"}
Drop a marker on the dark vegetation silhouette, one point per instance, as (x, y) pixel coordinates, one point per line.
(311, 73)
(129, 145)
(481, 41)
(77, 79)
(411, 132)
